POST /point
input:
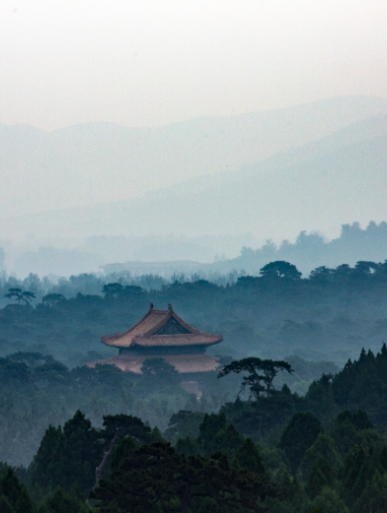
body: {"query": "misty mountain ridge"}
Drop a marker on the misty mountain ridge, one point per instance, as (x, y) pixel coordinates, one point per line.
(277, 202)
(105, 162)
(201, 217)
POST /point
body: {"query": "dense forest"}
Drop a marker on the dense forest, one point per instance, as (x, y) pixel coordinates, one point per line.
(273, 452)
(329, 315)
(311, 438)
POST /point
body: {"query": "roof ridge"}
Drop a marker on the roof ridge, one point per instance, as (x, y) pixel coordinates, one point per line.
(168, 315)
(148, 314)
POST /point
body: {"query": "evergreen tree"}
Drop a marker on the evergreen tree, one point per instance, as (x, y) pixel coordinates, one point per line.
(59, 502)
(187, 446)
(328, 501)
(359, 468)
(248, 457)
(259, 374)
(320, 477)
(14, 495)
(68, 457)
(299, 435)
(122, 450)
(374, 496)
(211, 424)
(227, 441)
(323, 447)
(156, 478)
(5, 506)
(44, 470)
(159, 376)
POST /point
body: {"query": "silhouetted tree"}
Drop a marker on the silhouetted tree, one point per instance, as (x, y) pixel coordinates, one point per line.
(280, 269)
(20, 295)
(260, 373)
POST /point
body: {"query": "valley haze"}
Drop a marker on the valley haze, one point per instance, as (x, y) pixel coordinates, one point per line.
(193, 190)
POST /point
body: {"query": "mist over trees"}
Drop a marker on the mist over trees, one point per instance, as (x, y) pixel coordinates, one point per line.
(275, 313)
(302, 435)
(311, 250)
(276, 451)
(204, 257)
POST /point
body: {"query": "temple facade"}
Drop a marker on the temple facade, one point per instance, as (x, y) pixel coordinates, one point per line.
(162, 333)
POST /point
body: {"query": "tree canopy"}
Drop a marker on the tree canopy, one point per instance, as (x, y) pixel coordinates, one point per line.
(259, 373)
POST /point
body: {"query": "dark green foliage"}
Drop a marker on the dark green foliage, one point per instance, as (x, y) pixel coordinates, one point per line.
(383, 458)
(329, 315)
(184, 423)
(275, 462)
(126, 425)
(159, 376)
(354, 429)
(155, 477)
(299, 435)
(361, 421)
(280, 269)
(126, 445)
(361, 385)
(5, 506)
(344, 466)
(323, 448)
(260, 373)
(329, 501)
(359, 467)
(215, 435)
(43, 474)
(374, 496)
(320, 398)
(187, 446)
(307, 312)
(59, 502)
(210, 426)
(14, 497)
(258, 418)
(248, 457)
(226, 441)
(321, 476)
(68, 457)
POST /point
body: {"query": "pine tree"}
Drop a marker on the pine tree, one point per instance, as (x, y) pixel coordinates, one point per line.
(320, 477)
(59, 502)
(374, 496)
(329, 501)
(323, 447)
(68, 457)
(299, 435)
(248, 457)
(5, 506)
(15, 494)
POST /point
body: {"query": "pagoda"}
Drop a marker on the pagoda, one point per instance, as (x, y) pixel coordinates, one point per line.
(162, 333)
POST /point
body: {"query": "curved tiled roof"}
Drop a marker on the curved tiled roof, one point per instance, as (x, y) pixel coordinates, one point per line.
(183, 363)
(152, 331)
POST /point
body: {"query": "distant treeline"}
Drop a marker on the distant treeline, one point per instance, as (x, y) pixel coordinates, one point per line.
(311, 250)
(328, 316)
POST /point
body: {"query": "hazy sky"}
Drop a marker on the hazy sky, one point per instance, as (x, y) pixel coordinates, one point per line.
(152, 62)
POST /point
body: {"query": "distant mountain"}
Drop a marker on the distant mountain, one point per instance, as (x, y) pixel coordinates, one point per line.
(268, 200)
(104, 162)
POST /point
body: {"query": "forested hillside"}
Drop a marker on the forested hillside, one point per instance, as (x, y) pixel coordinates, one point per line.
(329, 316)
(310, 438)
(275, 452)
